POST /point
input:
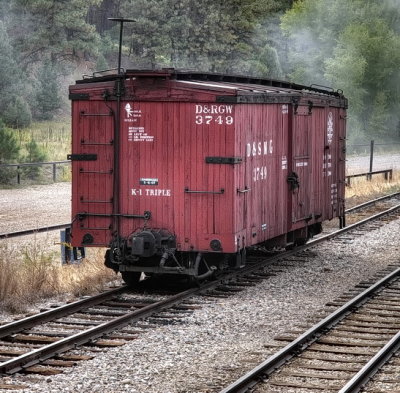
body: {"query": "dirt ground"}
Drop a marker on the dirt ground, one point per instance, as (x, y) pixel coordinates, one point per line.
(35, 206)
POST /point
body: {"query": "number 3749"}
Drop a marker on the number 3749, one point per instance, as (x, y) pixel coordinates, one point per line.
(259, 173)
(208, 119)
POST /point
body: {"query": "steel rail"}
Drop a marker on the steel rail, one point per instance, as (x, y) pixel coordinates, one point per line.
(370, 203)
(267, 367)
(41, 354)
(373, 366)
(63, 226)
(349, 228)
(28, 359)
(250, 379)
(49, 315)
(33, 231)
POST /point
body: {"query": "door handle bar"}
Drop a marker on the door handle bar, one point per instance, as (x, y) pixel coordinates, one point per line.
(187, 191)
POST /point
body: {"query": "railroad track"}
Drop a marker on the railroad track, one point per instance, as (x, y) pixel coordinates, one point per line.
(370, 208)
(26, 232)
(47, 335)
(373, 202)
(339, 354)
(374, 205)
(44, 338)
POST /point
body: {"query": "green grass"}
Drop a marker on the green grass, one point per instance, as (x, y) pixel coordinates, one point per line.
(52, 143)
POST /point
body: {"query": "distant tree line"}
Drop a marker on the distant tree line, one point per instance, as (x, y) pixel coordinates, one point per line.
(351, 45)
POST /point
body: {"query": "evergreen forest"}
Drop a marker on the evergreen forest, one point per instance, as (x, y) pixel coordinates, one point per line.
(352, 45)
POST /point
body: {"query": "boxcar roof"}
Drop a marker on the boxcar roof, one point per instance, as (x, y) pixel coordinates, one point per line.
(213, 79)
(243, 88)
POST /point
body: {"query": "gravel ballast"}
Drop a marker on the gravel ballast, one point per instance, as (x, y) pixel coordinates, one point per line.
(217, 343)
(208, 349)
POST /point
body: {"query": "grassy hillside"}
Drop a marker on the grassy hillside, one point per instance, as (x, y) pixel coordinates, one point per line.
(53, 138)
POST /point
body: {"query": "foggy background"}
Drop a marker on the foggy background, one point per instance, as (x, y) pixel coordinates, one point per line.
(351, 45)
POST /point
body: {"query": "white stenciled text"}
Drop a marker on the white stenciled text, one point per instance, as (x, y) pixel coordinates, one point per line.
(156, 192)
(213, 109)
(213, 114)
(259, 148)
(259, 173)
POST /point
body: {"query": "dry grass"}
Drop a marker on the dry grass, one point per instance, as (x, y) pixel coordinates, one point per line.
(33, 275)
(362, 190)
(88, 277)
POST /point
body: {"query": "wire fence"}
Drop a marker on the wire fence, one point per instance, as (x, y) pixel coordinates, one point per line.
(35, 172)
(361, 158)
(372, 157)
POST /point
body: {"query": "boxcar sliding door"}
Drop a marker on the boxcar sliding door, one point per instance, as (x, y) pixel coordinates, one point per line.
(299, 177)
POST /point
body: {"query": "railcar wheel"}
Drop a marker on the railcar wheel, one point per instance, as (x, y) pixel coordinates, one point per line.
(301, 241)
(238, 260)
(131, 278)
(109, 263)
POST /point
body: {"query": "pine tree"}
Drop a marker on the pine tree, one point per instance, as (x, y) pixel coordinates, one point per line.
(17, 113)
(207, 36)
(9, 149)
(48, 99)
(9, 153)
(54, 28)
(9, 71)
(34, 154)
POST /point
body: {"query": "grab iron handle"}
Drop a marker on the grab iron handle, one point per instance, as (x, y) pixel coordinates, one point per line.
(203, 192)
(243, 191)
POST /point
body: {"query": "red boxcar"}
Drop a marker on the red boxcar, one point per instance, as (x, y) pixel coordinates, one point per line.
(179, 172)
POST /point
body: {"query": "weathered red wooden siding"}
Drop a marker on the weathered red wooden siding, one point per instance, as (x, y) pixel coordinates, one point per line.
(170, 149)
(92, 185)
(168, 128)
(328, 127)
(262, 142)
